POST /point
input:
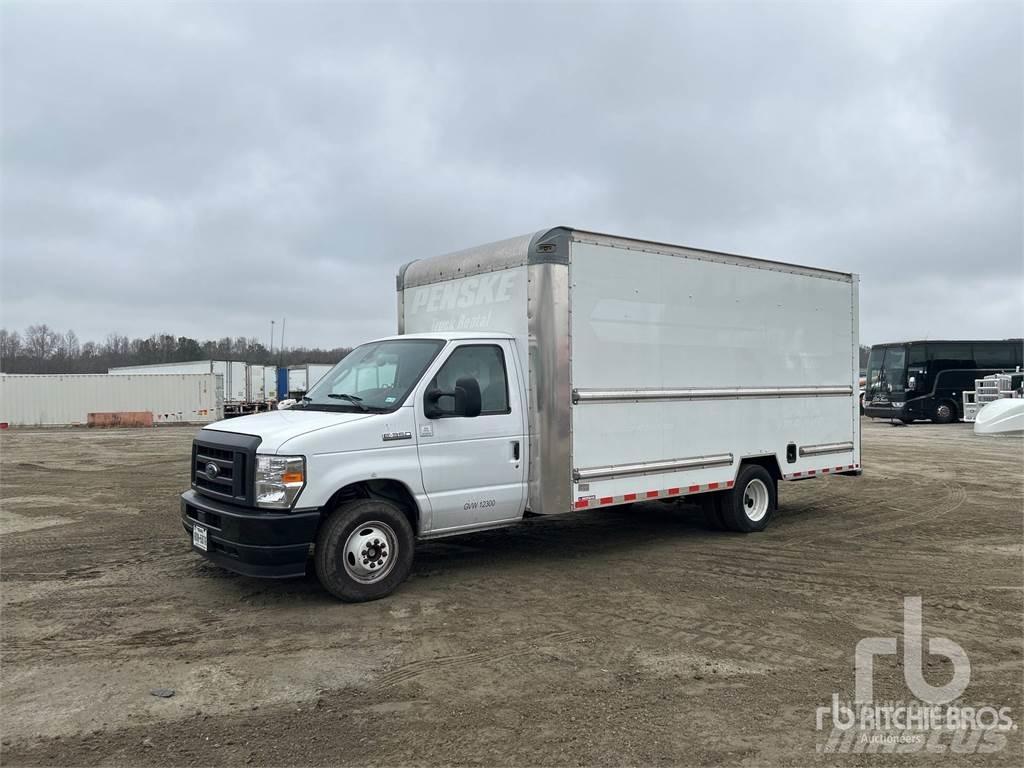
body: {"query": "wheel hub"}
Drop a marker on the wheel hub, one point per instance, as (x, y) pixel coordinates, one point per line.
(369, 552)
(756, 500)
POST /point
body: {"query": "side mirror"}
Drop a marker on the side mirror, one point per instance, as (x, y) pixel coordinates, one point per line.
(466, 395)
(911, 383)
(468, 401)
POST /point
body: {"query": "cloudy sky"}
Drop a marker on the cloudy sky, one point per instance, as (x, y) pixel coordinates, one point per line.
(204, 168)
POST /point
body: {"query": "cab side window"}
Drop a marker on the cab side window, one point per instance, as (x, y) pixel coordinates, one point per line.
(486, 364)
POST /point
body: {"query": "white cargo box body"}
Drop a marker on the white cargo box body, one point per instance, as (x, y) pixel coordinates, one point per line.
(68, 399)
(656, 369)
(233, 374)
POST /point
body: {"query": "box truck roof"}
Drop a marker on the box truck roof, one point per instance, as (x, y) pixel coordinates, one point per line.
(450, 336)
(548, 246)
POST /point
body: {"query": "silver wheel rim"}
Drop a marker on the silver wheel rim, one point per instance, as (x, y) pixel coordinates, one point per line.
(944, 412)
(755, 500)
(370, 552)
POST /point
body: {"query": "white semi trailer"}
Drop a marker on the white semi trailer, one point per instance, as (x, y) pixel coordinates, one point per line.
(232, 373)
(554, 372)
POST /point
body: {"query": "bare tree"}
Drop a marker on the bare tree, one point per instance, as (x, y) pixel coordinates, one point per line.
(40, 342)
(71, 346)
(10, 344)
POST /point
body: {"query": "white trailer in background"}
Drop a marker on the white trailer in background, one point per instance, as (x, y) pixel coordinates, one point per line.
(558, 371)
(257, 383)
(67, 399)
(232, 372)
(270, 382)
(302, 378)
(239, 395)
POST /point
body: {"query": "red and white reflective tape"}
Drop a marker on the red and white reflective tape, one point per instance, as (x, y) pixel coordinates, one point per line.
(816, 472)
(667, 493)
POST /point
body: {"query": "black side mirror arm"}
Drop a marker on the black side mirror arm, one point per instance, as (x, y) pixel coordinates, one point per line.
(431, 403)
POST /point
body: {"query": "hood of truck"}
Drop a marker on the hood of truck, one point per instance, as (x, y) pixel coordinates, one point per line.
(278, 427)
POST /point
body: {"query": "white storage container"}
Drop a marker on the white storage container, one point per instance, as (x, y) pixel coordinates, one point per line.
(68, 399)
(232, 372)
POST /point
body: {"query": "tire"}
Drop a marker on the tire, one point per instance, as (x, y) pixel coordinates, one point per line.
(711, 510)
(945, 413)
(749, 506)
(350, 539)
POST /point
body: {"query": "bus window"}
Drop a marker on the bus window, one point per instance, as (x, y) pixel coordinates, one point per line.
(954, 354)
(874, 377)
(918, 355)
(894, 368)
(997, 355)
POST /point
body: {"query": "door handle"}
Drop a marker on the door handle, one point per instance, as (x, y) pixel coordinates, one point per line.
(515, 450)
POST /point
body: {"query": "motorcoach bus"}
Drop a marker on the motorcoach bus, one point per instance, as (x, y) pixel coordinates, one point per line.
(914, 380)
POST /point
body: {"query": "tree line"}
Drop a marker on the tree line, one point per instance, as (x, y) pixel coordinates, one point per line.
(41, 349)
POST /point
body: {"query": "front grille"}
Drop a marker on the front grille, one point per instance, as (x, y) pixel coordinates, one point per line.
(223, 465)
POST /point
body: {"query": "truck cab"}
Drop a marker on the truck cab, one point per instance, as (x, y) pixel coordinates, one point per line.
(412, 436)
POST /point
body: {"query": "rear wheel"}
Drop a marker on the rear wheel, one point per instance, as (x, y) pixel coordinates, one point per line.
(945, 412)
(749, 506)
(364, 550)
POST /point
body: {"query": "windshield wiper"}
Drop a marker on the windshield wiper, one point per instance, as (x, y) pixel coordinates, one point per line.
(351, 398)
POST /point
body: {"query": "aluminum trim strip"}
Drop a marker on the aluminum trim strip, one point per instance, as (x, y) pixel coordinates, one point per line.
(616, 395)
(651, 467)
(819, 450)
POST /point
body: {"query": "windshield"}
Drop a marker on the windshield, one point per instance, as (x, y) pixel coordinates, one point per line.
(887, 372)
(373, 377)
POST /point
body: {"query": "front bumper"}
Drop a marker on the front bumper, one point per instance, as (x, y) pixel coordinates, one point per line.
(884, 410)
(251, 542)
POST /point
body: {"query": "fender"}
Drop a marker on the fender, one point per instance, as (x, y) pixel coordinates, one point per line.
(382, 447)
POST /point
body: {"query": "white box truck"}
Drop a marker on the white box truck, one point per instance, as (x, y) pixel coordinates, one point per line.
(545, 374)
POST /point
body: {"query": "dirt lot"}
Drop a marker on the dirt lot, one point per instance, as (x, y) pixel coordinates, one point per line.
(612, 637)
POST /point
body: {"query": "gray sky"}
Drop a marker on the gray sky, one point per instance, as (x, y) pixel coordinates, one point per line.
(201, 169)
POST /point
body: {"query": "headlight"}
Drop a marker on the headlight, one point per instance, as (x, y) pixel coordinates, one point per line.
(279, 480)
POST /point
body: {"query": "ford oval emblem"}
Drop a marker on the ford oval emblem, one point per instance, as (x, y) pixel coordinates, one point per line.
(212, 470)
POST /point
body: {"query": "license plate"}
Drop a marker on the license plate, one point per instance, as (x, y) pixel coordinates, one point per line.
(199, 537)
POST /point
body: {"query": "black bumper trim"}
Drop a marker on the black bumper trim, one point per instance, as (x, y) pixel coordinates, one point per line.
(884, 411)
(251, 542)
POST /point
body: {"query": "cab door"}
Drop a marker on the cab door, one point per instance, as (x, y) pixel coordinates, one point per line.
(474, 468)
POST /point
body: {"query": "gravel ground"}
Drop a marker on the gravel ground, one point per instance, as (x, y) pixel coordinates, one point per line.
(612, 637)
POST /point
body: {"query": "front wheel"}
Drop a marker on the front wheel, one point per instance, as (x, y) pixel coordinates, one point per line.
(364, 550)
(945, 412)
(749, 506)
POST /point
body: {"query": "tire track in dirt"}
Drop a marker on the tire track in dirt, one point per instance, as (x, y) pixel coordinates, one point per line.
(410, 671)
